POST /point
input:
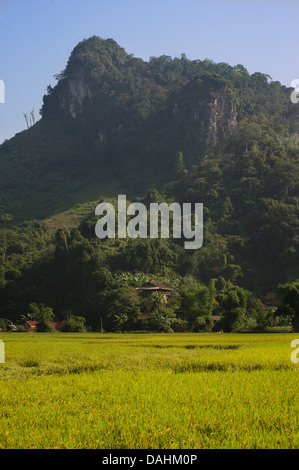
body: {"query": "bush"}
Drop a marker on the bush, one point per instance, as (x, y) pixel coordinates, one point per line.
(179, 326)
(74, 324)
(161, 321)
(45, 326)
(4, 322)
(204, 323)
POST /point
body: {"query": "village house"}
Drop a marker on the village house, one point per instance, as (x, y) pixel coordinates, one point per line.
(148, 289)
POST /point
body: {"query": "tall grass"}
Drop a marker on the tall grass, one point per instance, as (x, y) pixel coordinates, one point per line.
(148, 391)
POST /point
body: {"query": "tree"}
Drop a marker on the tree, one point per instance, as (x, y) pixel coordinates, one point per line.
(198, 302)
(34, 312)
(30, 119)
(26, 119)
(231, 272)
(179, 166)
(162, 313)
(232, 308)
(290, 302)
(45, 313)
(162, 319)
(74, 323)
(46, 316)
(45, 326)
(257, 311)
(4, 322)
(123, 308)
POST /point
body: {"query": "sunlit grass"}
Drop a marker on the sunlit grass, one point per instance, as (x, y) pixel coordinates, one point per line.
(148, 391)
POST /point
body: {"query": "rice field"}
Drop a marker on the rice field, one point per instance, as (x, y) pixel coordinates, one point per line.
(149, 391)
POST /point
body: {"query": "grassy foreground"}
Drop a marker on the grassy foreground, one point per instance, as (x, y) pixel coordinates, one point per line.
(150, 391)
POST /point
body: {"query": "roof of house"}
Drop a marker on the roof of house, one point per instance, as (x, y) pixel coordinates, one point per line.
(216, 317)
(32, 323)
(154, 286)
(142, 316)
(56, 324)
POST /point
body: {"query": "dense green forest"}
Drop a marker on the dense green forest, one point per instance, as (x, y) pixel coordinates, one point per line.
(170, 129)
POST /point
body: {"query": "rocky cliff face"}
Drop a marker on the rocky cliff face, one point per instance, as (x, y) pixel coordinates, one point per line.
(75, 91)
(221, 120)
(92, 64)
(204, 116)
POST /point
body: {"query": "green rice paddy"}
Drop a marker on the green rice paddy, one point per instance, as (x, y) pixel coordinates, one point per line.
(149, 391)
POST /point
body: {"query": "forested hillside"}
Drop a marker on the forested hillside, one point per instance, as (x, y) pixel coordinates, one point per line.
(170, 129)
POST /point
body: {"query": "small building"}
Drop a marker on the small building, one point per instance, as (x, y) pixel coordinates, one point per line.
(13, 327)
(31, 326)
(149, 288)
(145, 316)
(216, 318)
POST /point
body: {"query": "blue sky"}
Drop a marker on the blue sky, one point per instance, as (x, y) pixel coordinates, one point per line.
(37, 37)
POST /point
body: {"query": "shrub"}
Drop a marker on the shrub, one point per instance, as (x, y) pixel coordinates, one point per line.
(74, 324)
(45, 326)
(4, 322)
(204, 323)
